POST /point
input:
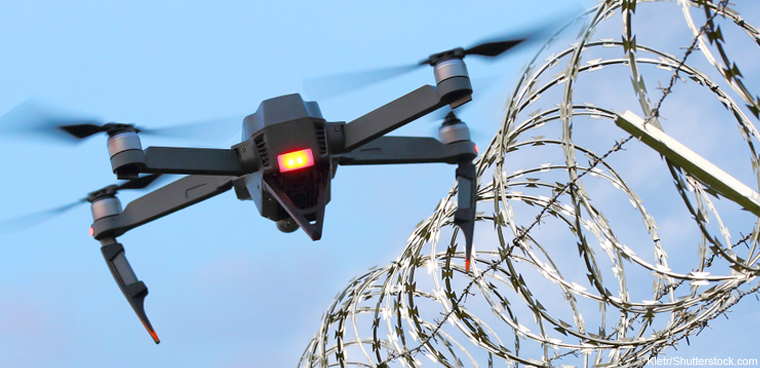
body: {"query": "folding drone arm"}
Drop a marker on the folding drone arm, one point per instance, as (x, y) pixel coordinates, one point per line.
(128, 159)
(454, 91)
(192, 161)
(408, 150)
(159, 203)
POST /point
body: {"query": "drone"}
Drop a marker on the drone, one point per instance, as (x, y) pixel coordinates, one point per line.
(285, 162)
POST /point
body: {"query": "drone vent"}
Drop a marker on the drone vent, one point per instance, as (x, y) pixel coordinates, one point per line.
(321, 141)
(261, 146)
(302, 187)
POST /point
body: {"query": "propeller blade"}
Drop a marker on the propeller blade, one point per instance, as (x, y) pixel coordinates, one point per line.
(208, 130)
(26, 221)
(439, 115)
(331, 86)
(494, 48)
(40, 118)
(36, 117)
(82, 131)
(338, 84)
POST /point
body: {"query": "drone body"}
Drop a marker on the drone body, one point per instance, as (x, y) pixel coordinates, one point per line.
(286, 138)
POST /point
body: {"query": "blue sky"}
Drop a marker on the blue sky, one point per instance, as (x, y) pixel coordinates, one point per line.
(226, 288)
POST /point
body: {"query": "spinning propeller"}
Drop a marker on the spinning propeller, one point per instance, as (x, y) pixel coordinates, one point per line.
(335, 85)
(32, 219)
(103, 201)
(37, 117)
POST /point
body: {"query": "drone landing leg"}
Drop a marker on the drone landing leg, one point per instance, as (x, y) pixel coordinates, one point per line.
(464, 217)
(161, 202)
(406, 150)
(134, 290)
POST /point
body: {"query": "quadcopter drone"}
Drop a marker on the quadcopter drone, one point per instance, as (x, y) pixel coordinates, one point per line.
(285, 162)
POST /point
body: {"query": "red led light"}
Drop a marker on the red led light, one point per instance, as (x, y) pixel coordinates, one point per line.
(295, 160)
(92, 231)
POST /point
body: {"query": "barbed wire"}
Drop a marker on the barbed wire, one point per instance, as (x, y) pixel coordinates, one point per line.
(392, 293)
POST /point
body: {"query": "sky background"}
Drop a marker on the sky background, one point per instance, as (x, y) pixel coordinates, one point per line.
(227, 289)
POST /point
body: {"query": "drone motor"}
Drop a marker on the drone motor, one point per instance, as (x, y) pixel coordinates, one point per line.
(453, 130)
(125, 149)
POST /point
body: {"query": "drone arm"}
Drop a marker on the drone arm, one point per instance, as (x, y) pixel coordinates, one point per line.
(391, 116)
(134, 290)
(407, 150)
(452, 91)
(161, 202)
(128, 159)
(192, 161)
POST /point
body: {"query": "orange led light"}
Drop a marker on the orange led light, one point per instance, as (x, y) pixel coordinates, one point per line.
(295, 160)
(92, 231)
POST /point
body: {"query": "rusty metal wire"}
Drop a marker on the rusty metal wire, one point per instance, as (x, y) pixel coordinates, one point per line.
(552, 283)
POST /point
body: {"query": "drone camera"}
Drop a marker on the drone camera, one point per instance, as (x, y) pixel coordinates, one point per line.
(287, 225)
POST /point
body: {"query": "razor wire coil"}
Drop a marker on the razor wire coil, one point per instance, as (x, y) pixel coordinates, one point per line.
(524, 301)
